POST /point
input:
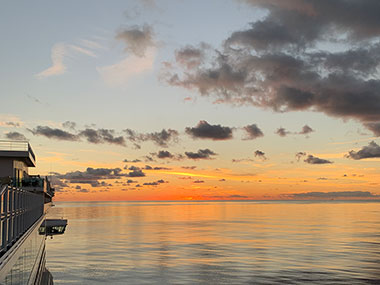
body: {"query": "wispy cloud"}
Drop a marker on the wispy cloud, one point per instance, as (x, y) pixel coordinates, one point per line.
(118, 74)
(83, 50)
(61, 51)
(58, 67)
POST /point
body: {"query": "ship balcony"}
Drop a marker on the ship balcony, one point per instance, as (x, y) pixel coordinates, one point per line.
(18, 149)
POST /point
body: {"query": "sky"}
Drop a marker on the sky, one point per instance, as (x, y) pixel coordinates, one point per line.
(195, 100)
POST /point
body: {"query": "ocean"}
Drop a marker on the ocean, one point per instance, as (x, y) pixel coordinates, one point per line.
(228, 242)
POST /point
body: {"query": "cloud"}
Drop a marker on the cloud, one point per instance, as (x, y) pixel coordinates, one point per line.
(83, 191)
(164, 154)
(118, 74)
(206, 131)
(137, 39)
(315, 160)
(136, 173)
(134, 160)
(279, 61)
(370, 151)
(10, 124)
(58, 53)
(162, 138)
(253, 132)
(198, 181)
(95, 136)
(260, 154)
(148, 167)
(374, 127)
(299, 155)
(306, 130)
(189, 167)
(69, 125)
(242, 160)
(282, 132)
(191, 57)
(201, 154)
(82, 50)
(54, 133)
(155, 183)
(15, 136)
(333, 195)
(102, 136)
(90, 176)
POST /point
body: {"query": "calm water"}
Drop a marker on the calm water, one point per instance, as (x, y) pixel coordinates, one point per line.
(216, 243)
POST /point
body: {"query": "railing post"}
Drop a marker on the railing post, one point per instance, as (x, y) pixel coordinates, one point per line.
(5, 219)
(10, 229)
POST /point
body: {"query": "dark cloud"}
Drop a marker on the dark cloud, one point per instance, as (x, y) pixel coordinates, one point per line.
(57, 183)
(15, 136)
(92, 174)
(201, 154)
(206, 131)
(134, 160)
(12, 124)
(282, 132)
(155, 183)
(306, 130)
(95, 136)
(148, 167)
(281, 61)
(151, 183)
(162, 138)
(253, 132)
(83, 191)
(134, 168)
(89, 176)
(164, 154)
(137, 39)
(374, 127)
(372, 150)
(299, 155)
(315, 160)
(189, 167)
(333, 195)
(53, 133)
(102, 136)
(191, 57)
(198, 181)
(69, 125)
(136, 173)
(260, 154)
(242, 160)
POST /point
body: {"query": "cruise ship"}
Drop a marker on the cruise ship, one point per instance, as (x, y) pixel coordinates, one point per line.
(24, 202)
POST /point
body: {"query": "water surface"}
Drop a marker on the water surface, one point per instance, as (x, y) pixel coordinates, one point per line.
(216, 243)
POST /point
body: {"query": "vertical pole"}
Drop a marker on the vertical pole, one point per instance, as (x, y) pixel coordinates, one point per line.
(5, 220)
(10, 229)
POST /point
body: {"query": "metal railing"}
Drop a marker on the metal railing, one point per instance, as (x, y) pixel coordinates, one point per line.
(12, 145)
(20, 209)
